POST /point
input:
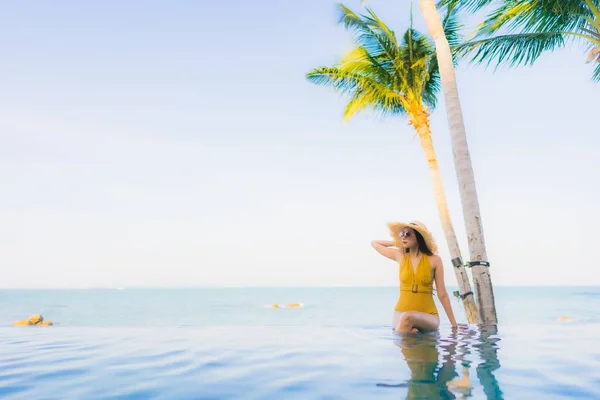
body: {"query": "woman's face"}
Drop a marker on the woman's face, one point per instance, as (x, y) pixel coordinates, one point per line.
(408, 238)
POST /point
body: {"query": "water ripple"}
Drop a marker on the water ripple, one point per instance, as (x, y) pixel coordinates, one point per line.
(299, 362)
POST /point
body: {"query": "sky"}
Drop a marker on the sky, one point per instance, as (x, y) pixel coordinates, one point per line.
(162, 144)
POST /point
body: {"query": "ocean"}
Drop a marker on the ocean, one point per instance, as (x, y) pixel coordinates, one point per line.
(229, 343)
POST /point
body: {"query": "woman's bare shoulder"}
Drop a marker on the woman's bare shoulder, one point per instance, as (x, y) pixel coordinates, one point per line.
(435, 260)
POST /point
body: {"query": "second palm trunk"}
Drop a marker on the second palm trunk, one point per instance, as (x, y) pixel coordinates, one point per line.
(462, 162)
(419, 118)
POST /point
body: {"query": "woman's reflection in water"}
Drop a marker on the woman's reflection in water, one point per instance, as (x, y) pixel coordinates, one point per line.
(428, 379)
(431, 380)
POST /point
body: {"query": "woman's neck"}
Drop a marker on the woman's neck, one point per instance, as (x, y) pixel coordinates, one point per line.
(414, 251)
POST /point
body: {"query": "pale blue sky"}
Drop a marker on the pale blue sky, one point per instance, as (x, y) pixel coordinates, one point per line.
(148, 143)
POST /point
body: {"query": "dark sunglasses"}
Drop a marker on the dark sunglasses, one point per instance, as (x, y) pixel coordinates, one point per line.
(405, 233)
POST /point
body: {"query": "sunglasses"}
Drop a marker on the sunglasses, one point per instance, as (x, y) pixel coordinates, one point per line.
(405, 233)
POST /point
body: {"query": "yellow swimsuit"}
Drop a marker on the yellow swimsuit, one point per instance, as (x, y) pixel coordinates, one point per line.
(416, 288)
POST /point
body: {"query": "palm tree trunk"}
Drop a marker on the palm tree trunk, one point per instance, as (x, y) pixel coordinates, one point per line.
(419, 118)
(462, 162)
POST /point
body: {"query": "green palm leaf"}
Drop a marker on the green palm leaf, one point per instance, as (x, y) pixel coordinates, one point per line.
(596, 73)
(368, 90)
(547, 7)
(382, 72)
(360, 61)
(518, 32)
(511, 50)
(453, 27)
(536, 16)
(470, 6)
(369, 33)
(418, 52)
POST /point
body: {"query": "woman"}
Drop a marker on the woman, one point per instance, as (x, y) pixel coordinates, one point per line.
(413, 248)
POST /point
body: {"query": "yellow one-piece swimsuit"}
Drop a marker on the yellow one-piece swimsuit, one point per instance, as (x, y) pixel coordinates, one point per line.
(416, 286)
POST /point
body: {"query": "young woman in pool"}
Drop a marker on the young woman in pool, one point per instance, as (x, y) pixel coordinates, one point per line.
(414, 249)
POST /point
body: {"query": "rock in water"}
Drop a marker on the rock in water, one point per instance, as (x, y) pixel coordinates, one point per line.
(36, 319)
(21, 323)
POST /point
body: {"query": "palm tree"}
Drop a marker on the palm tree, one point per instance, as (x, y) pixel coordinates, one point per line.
(532, 27)
(397, 78)
(462, 163)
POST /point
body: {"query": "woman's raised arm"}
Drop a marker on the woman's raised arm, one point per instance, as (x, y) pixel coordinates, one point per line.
(386, 248)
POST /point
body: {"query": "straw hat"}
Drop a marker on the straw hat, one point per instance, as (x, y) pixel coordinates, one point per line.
(397, 227)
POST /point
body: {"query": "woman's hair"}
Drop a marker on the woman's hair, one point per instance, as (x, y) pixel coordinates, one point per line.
(421, 244)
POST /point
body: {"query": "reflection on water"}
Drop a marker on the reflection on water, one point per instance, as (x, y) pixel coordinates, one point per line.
(560, 361)
(487, 347)
(440, 365)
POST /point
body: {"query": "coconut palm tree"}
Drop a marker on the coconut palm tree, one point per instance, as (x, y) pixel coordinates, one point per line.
(530, 28)
(397, 77)
(462, 163)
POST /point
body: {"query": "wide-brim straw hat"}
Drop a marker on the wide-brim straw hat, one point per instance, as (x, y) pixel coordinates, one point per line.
(397, 227)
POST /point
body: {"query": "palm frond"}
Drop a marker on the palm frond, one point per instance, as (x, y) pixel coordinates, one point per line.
(556, 7)
(378, 25)
(510, 12)
(556, 15)
(350, 19)
(382, 72)
(593, 8)
(367, 35)
(359, 60)
(432, 88)
(537, 16)
(416, 46)
(517, 32)
(591, 32)
(374, 100)
(355, 84)
(594, 26)
(511, 50)
(417, 50)
(377, 38)
(341, 80)
(596, 73)
(469, 6)
(420, 78)
(357, 103)
(453, 27)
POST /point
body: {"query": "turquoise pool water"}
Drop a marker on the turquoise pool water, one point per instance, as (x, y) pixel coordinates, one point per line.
(225, 344)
